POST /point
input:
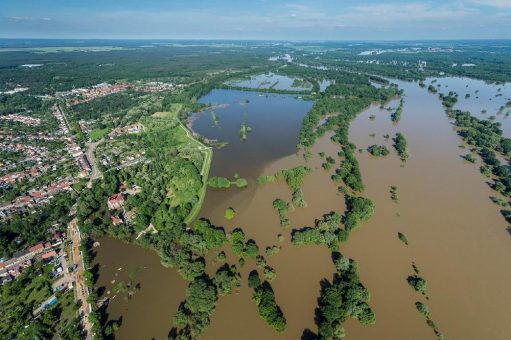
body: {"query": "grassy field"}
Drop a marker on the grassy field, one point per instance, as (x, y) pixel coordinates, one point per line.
(208, 156)
(97, 134)
(173, 113)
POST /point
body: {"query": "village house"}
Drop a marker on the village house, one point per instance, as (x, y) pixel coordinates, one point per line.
(116, 220)
(129, 216)
(49, 255)
(116, 201)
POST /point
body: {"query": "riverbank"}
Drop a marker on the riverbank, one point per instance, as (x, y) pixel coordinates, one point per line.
(206, 150)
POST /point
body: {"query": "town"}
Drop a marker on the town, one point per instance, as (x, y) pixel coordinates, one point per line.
(42, 165)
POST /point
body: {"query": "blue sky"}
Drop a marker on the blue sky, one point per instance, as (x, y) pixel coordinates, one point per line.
(257, 19)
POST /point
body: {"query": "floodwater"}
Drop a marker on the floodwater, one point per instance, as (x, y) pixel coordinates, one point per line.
(324, 84)
(457, 236)
(271, 80)
(148, 314)
(482, 99)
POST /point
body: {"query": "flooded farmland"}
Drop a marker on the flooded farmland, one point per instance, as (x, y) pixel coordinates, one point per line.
(456, 235)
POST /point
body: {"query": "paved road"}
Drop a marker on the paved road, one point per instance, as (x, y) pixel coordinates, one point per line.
(81, 290)
(89, 153)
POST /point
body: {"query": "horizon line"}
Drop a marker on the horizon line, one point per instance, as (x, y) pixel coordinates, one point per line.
(266, 40)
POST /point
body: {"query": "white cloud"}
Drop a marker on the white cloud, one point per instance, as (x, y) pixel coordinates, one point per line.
(28, 19)
(334, 19)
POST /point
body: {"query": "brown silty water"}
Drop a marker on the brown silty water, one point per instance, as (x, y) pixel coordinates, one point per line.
(457, 236)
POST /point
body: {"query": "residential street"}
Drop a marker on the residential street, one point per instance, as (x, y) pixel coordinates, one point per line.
(81, 289)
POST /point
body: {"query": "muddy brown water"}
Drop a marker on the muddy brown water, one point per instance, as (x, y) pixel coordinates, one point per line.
(457, 236)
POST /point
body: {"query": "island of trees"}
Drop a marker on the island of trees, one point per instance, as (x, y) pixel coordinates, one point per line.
(401, 146)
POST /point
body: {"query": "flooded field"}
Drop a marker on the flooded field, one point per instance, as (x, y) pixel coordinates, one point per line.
(457, 236)
(482, 99)
(273, 81)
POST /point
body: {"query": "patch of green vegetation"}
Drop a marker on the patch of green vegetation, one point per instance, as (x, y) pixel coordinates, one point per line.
(294, 178)
(469, 158)
(229, 214)
(422, 308)
(244, 130)
(396, 116)
(272, 250)
(215, 118)
(358, 210)
(264, 298)
(326, 232)
(301, 83)
(224, 183)
(343, 298)
(253, 279)
(500, 201)
(240, 247)
(418, 283)
(415, 268)
(193, 315)
(261, 180)
(269, 273)
(227, 279)
(378, 150)
(402, 238)
(329, 162)
(401, 146)
(221, 256)
(393, 193)
(349, 171)
(282, 207)
(241, 183)
(98, 134)
(219, 182)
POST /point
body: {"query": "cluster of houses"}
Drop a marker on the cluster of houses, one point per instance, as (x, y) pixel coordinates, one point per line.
(156, 86)
(18, 176)
(123, 160)
(30, 121)
(12, 268)
(34, 153)
(24, 136)
(72, 146)
(81, 159)
(116, 203)
(130, 129)
(60, 117)
(85, 126)
(35, 198)
(85, 95)
(17, 89)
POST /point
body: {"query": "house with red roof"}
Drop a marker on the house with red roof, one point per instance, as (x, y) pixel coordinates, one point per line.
(116, 201)
(49, 255)
(116, 220)
(38, 248)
